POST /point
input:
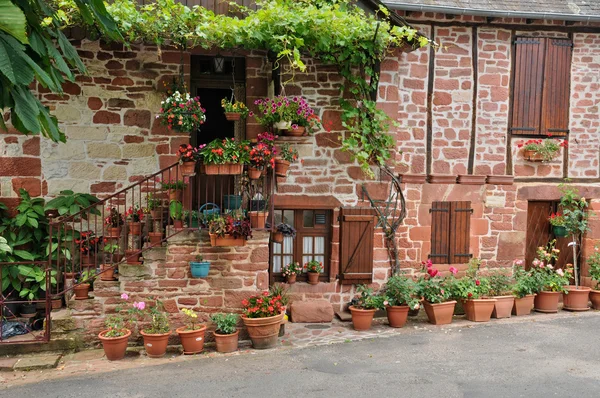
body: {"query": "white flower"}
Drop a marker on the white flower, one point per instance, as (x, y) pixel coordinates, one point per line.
(549, 266)
(560, 272)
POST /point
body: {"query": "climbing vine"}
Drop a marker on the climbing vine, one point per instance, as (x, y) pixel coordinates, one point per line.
(333, 31)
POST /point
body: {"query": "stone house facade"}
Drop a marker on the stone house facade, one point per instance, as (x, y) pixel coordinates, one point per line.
(469, 191)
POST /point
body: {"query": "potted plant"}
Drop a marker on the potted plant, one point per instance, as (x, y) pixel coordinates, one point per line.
(313, 269)
(134, 217)
(576, 214)
(229, 230)
(199, 268)
(262, 317)
(304, 118)
(525, 288)
(33, 279)
(88, 247)
(552, 282)
(400, 296)
(155, 238)
(83, 283)
(176, 213)
(226, 333)
(363, 308)
(156, 329)
(155, 206)
(114, 338)
(557, 221)
(175, 188)
(262, 157)
(192, 334)
(132, 256)
(187, 159)
(182, 112)
(291, 271)
(281, 231)
(537, 150)
(234, 111)
(474, 290)
(435, 292)
(593, 262)
(286, 156)
(114, 221)
(107, 269)
(500, 289)
(69, 203)
(277, 112)
(224, 156)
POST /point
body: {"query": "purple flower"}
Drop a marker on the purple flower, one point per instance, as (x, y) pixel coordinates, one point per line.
(266, 111)
(251, 114)
(294, 126)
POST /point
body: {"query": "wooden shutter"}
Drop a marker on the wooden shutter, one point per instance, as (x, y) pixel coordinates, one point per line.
(440, 228)
(357, 226)
(460, 232)
(557, 78)
(529, 53)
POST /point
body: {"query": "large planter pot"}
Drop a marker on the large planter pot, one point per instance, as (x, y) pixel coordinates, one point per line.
(532, 156)
(546, 302)
(233, 116)
(199, 269)
(595, 299)
(188, 168)
(313, 278)
(297, 132)
(559, 231)
(291, 279)
(523, 305)
(577, 299)
(254, 174)
(113, 232)
(226, 241)
(81, 291)
(440, 313)
(227, 342)
(135, 228)
(258, 219)
(397, 315)
(263, 331)
(479, 310)
(362, 319)
(107, 272)
(503, 307)
(281, 167)
(232, 201)
(191, 340)
(155, 344)
(223, 169)
(28, 310)
(114, 347)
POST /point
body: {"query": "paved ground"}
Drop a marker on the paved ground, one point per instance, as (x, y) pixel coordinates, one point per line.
(539, 356)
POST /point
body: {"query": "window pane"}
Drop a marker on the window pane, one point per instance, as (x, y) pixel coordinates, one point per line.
(288, 217)
(320, 259)
(319, 245)
(307, 245)
(276, 264)
(287, 259)
(278, 217)
(276, 248)
(288, 245)
(308, 216)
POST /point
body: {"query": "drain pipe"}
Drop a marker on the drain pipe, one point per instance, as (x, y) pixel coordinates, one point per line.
(395, 5)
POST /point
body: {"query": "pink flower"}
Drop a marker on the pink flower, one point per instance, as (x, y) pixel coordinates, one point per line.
(453, 270)
(140, 306)
(550, 266)
(518, 262)
(125, 296)
(536, 262)
(560, 272)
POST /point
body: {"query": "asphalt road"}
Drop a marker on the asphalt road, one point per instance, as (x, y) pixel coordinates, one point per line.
(545, 358)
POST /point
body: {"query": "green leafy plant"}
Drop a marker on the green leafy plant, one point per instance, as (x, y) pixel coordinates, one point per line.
(547, 148)
(34, 281)
(432, 286)
(228, 150)
(400, 290)
(593, 261)
(154, 317)
(288, 153)
(500, 283)
(153, 202)
(525, 282)
(281, 291)
(263, 305)
(116, 326)
(367, 299)
(114, 218)
(314, 266)
(70, 203)
(233, 224)
(225, 323)
(175, 185)
(548, 277)
(176, 210)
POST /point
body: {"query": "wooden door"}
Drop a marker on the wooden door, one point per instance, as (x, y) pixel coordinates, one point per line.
(357, 227)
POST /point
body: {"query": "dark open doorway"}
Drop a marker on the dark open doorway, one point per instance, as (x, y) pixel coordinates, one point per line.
(216, 126)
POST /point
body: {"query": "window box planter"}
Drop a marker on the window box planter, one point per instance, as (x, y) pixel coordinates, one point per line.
(114, 347)
(440, 313)
(191, 340)
(547, 302)
(226, 241)
(223, 169)
(523, 305)
(479, 310)
(263, 331)
(577, 299)
(532, 156)
(199, 269)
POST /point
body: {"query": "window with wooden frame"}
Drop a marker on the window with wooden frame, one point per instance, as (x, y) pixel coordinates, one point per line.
(541, 86)
(450, 232)
(312, 241)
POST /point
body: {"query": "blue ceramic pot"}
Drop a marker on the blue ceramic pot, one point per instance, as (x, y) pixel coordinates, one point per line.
(199, 269)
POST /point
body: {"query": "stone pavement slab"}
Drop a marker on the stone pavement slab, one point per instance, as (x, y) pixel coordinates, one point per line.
(38, 362)
(6, 364)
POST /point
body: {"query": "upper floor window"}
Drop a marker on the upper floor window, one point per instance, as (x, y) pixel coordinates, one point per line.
(541, 86)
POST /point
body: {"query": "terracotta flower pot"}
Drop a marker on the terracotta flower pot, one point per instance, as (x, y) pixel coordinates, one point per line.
(397, 315)
(313, 278)
(107, 272)
(155, 238)
(113, 232)
(132, 257)
(156, 214)
(175, 194)
(523, 305)
(440, 313)
(254, 174)
(281, 167)
(479, 310)
(155, 344)
(547, 302)
(362, 319)
(227, 342)
(178, 224)
(81, 291)
(191, 340)
(114, 347)
(277, 237)
(233, 116)
(297, 132)
(595, 299)
(291, 279)
(263, 331)
(69, 275)
(258, 219)
(135, 228)
(503, 306)
(56, 303)
(577, 299)
(188, 168)
(226, 241)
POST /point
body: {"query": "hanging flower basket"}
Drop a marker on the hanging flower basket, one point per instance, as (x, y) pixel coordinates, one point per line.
(559, 231)
(254, 173)
(233, 116)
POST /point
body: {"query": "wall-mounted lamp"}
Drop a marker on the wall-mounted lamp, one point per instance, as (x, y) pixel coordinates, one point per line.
(218, 64)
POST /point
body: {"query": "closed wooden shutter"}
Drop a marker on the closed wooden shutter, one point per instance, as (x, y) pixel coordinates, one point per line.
(357, 226)
(460, 232)
(440, 228)
(529, 53)
(557, 78)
